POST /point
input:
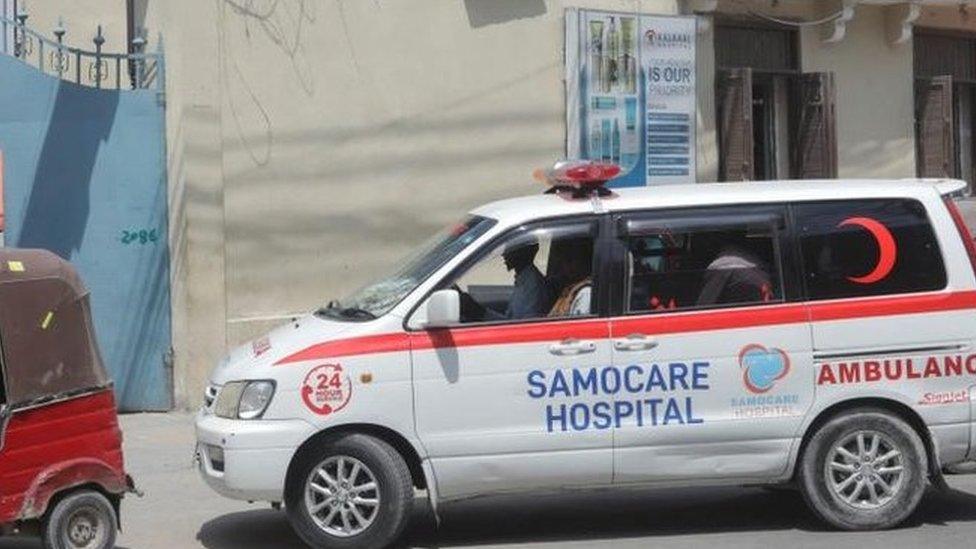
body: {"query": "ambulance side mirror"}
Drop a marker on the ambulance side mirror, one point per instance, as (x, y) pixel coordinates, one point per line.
(443, 309)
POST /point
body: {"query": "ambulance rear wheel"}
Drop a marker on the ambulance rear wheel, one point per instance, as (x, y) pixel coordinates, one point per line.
(864, 470)
(82, 520)
(351, 491)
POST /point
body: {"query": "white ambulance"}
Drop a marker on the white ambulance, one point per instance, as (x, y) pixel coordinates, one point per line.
(811, 333)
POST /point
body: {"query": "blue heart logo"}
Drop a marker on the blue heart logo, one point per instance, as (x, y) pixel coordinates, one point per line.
(762, 367)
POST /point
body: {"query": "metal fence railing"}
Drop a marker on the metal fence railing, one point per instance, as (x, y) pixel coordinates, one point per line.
(98, 69)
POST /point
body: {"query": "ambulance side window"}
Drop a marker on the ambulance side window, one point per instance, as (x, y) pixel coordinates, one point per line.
(853, 248)
(699, 267)
(535, 273)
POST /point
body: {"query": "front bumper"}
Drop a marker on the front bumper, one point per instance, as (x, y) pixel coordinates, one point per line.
(247, 460)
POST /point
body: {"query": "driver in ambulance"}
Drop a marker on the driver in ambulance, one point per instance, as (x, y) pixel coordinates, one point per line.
(530, 297)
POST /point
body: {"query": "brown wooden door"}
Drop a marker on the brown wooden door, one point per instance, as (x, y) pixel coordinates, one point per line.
(934, 139)
(735, 137)
(815, 143)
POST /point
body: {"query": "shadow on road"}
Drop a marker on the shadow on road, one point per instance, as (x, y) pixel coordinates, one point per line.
(579, 516)
(259, 528)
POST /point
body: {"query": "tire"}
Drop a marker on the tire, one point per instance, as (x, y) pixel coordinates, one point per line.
(377, 463)
(848, 490)
(81, 520)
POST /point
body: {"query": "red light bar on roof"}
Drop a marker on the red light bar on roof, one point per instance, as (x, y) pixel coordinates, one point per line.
(581, 177)
(581, 172)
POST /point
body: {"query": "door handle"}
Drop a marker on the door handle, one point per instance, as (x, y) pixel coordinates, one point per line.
(572, 346)
(634, 342)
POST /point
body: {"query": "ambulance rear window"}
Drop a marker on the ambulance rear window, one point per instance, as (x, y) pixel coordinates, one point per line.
(853, 248)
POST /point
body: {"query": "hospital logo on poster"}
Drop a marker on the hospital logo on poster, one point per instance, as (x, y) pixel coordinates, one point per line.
(659, 39)
(326, 389)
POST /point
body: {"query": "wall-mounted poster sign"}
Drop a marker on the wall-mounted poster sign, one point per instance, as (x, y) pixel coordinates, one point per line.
(630, 89)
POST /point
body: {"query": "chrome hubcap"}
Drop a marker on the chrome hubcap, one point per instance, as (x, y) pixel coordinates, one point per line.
(342, 496)
(865, 469)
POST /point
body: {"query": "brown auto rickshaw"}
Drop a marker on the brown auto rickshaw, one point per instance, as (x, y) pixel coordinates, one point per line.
(61, 468)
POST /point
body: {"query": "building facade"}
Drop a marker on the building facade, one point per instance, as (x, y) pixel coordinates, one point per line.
(311, 143)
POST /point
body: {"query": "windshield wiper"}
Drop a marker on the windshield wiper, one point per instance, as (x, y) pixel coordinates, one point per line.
(356, 312)
(336, 310)
(329, 307)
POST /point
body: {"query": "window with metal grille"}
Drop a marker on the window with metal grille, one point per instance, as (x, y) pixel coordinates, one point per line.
(773, 121)
(945, 104)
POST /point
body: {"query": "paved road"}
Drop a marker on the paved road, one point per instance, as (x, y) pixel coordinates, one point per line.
(179, 511)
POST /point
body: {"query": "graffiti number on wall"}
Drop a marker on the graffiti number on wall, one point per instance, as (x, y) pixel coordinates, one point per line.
(139, 236)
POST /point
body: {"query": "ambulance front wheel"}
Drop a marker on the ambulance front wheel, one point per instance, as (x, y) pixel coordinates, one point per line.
(350, 491)
(864, 470)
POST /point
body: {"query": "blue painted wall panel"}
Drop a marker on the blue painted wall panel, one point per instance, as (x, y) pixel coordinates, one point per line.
(85, 178)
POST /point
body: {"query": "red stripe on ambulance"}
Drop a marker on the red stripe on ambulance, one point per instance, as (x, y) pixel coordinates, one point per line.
(383, 343)
(887, 306)
(666, 323)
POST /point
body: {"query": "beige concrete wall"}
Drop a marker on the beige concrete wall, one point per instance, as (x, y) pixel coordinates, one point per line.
(875, 95)
(196, 186)
(353, 128)
(707, 146)
(313, 144)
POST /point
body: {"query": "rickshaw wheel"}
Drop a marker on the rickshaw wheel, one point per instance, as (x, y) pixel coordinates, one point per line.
(82, 520)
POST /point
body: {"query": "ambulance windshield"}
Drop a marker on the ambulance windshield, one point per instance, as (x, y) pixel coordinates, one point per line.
(377, 298)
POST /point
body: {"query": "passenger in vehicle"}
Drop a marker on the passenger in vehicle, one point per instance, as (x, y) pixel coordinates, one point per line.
(649, 255)
(573, 274)
(736, 275)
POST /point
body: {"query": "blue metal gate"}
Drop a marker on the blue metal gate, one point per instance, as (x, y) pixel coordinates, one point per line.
(85, 177)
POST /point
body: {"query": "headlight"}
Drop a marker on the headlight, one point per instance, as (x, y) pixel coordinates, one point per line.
(244, 399)
(255, 399)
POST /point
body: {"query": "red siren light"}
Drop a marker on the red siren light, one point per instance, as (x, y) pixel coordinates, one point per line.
(580, 177)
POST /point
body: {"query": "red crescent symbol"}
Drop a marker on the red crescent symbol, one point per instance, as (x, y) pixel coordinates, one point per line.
(887, 250)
